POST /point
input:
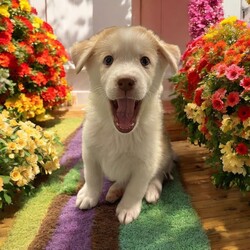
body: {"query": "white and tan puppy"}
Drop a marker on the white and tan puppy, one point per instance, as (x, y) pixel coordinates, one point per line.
(123, 131)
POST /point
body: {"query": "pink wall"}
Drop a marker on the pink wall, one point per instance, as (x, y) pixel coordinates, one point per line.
(168, 18)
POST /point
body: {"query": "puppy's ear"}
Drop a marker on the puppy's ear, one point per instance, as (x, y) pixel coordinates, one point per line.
(80, 52)
(172, 54)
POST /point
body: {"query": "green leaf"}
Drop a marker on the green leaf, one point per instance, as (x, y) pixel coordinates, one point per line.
(7, 198)
(6, 179)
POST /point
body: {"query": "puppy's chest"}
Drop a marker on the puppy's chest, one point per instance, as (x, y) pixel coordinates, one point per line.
(118, 155)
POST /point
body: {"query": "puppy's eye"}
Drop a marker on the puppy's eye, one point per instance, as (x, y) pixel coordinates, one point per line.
(108, 60)
(145, 61)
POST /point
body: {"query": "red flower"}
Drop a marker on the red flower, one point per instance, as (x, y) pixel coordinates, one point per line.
(233, 99)
(5, 22)
(244, 113)
(25, 21)
(33, 10)
(197, 97)
(233, 72)
(193, 80)
(245, 83)
(217, 97)
(47, 27)
(242, 149)
(5, 37)
(218, 104)
(61, 91)
(23, 70)
(27, 48)
(49, 95)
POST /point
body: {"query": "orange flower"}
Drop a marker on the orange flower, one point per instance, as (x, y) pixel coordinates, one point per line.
(39, 79)
(11, 48)
(6, 59)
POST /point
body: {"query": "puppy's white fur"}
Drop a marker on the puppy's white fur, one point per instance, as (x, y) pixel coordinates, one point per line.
(137, 160)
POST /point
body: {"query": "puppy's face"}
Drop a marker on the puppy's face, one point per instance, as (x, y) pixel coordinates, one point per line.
(125, 65)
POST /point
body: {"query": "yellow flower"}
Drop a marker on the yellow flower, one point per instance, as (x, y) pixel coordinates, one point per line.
(211, 34)
(8, 131)
(48, 135)
(226, 149)
(232, 163)
(21, 143)
(24, 5)
(229, 123)
(4, 10)
(35, 169)
(230, 20)
(32, 159)
(37, 22)
(195, 112)
(12, 146)
(15, 174)
(64, 59)
(13, 123)
(50, 35)
(1, 184)
(50, 166)
(27, 173)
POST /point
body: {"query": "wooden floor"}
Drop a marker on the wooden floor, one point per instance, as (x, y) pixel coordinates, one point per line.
(225, 214)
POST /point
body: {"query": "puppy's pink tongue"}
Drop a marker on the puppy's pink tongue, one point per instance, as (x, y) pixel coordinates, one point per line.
(125, 113)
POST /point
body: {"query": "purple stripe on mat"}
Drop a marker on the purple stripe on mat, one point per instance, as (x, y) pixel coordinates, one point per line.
(73, 152)
(73, 230)
(75, 226)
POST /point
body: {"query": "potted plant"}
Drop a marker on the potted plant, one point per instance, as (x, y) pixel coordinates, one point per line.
(212, 99)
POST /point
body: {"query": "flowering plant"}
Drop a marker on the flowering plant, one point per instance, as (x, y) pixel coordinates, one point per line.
(32, 76)
(203, 13)
(26, 151)
(213, 93)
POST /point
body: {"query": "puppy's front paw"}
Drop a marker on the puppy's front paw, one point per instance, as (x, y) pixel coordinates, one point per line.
(86, 200)
(126, 215)
(154, 191)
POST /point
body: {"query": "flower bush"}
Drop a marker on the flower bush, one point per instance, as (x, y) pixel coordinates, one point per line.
(26, 151)
(32, 75)
(203, 13)
(213, 94)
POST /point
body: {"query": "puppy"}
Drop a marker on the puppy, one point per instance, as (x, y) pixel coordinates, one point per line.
(123, 131)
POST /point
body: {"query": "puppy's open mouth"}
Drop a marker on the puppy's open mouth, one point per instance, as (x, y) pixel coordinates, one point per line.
(125, 112)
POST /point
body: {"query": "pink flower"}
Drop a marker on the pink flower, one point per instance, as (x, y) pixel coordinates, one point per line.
(233, 72)
(245, 83)
(220, 93)
(220, 70)
(233, 99)
(202, 14)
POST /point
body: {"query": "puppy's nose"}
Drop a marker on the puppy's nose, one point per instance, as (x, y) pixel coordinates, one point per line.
(126, 84)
